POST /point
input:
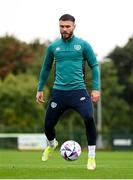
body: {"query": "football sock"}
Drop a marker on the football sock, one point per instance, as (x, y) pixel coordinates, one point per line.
(91, 151)
(52, 143)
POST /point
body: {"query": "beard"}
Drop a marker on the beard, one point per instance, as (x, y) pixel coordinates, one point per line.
(66, 35)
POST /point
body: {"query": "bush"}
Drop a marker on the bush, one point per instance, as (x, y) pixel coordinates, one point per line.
(19, 110)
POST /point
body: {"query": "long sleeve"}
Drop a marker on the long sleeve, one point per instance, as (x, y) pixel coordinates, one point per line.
(46, 67)
(93, 63)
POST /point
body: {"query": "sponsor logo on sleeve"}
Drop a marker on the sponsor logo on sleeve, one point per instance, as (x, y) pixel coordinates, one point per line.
(57, 48)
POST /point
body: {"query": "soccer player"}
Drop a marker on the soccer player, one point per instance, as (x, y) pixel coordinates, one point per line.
(69, 89)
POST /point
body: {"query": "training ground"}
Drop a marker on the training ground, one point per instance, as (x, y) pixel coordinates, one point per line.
(28, 165)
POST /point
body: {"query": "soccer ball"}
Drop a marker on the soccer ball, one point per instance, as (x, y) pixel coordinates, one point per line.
(70, 150)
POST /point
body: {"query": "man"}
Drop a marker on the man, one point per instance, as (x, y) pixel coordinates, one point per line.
(69, 90)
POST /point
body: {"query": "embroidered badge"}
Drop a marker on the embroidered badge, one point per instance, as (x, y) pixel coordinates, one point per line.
(77, 47)
(53, 104)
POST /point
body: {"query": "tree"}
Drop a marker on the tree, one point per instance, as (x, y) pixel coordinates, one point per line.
(123, 60)
(115, 110)
(15, 56)
(19, 111)
(39, 50)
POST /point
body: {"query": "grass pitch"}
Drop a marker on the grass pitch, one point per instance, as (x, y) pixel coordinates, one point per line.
(28, 165)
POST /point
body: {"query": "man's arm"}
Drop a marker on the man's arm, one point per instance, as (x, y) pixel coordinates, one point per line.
(45, 70)
(93, 63)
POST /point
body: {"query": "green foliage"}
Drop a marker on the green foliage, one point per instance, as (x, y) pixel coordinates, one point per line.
(115, 110)
(15, 56)
(39, 52)
(19, 111)
(123, 60)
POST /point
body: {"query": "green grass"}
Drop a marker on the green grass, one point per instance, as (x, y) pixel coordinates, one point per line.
(28, 164)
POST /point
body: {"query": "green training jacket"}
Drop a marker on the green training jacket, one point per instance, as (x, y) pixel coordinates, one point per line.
(69, 56)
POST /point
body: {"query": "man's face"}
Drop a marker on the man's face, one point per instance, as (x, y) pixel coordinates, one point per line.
(66, 29)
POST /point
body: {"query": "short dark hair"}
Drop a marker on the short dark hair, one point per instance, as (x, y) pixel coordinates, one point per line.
(67, 17)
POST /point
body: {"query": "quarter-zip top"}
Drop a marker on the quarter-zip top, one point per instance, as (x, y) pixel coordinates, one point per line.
(69, 56)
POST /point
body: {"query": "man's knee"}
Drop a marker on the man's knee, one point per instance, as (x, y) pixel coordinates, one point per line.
(88, 117)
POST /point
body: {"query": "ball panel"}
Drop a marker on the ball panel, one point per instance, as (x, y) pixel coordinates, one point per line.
(70, 150)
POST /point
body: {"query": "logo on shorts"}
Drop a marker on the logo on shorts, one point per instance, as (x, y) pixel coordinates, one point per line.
(53, 104)
(77, 47)
(82, 98)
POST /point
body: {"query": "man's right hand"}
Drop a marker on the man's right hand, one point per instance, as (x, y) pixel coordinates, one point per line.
(39, 97)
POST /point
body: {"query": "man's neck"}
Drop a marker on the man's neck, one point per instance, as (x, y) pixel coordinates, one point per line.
(68, 39)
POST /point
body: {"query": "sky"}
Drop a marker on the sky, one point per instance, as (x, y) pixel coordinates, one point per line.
(105, 24)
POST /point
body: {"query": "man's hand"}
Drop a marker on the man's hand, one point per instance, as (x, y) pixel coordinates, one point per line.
(39, 97)
(95, 95)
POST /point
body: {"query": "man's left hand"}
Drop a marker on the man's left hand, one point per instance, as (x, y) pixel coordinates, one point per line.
(95, 95)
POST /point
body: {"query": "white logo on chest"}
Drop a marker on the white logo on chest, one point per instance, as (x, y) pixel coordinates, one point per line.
(57, 49)
(77, 47)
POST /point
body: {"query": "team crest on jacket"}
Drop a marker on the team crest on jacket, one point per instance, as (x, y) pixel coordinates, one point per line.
(53, 104)
(77, 47)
